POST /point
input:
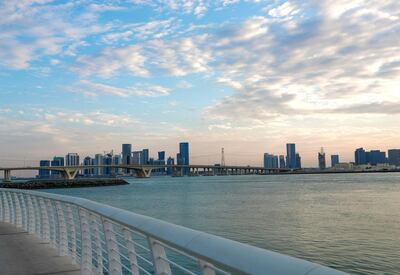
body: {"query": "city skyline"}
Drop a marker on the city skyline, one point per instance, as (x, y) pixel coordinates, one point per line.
(84, 76)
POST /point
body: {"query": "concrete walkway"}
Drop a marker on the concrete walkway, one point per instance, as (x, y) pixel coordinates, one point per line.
(24, 254)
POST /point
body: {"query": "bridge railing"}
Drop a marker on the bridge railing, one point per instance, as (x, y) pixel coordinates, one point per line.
(107, 240)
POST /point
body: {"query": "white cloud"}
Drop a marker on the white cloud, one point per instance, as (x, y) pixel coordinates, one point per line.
(145, 90)
(112, 60)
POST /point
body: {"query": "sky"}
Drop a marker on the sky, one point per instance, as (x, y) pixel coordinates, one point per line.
(247, 75)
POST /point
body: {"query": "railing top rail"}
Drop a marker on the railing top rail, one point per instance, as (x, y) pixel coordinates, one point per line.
(227, 254)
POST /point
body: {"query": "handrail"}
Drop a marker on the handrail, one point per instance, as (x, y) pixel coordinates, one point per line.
(105, 239)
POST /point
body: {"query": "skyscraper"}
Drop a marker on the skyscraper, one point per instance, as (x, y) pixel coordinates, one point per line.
(136, 157)
(117, 160)
(360, 156)
(334, 160)
(72, 159)
(270, 161)
(98, 160)
(107, 160)
(126, 155)
(298, 161)
(170, 161)
(321, 159)
(282, 163)
(184, 155)
(42, 172)
(394, 157)
(145, 157)
(88, 161)
(291, 155)
(375, 157)
(57, 161)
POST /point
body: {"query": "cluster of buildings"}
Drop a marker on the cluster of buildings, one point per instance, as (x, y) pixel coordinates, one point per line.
(127, 157)
(292, 160)
(363, 160)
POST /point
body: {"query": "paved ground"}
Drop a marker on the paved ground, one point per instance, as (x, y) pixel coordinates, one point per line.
(23, 254)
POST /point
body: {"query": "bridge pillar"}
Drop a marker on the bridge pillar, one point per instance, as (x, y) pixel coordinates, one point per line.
(69, 173)
(7, 176)
(143, 173)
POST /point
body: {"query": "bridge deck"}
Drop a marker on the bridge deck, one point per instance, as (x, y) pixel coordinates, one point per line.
(24, 254)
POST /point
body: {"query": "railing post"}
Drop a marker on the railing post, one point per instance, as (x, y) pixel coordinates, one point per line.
(11, 205)
(131, 251)
(6, 208)
(44, 221)
(73, 233)
(62, 229)
(99, 252)
(18, 213)
(1, 206)
(161, 267)
(31, 216)
(38, 216)
(114, 260)
(86, 257)
(52, 223)
(24, 211)
(206, 268)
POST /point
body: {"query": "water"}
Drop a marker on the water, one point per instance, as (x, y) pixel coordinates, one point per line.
(350, 222)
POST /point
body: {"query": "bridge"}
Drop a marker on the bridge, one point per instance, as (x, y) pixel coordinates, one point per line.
(80, 236)
(144, 171)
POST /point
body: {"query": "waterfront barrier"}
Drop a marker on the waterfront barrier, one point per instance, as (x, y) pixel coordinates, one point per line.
(106, 240)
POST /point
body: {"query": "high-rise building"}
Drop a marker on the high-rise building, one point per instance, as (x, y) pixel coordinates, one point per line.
(42, 172)
(145, 157)
(298, 161)
(394, 157)
(86, 162)
(360, 156)
(282, 163)
(107, 160)
(117, 160)
(291, 156)
(270, 161)
(161, 155)
(72, 159)
(126, 155)
(136, 157)
(334, 160)
(57, 161)
(98, 160)
(184, 155)
(161, 161)
(375, 157)
(170, 161)
(321, 159)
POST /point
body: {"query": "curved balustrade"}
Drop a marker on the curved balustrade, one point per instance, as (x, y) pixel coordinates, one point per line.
(108, 240)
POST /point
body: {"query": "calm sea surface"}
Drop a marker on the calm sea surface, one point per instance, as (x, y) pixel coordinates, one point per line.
(346, 221)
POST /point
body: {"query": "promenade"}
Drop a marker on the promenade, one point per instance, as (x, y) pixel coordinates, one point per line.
(24, 254)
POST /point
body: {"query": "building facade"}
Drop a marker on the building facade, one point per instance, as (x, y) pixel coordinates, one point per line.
(360, 156)
(270, 161)
(334, 160)
(291, 159)
(184, 156)
(72, 159)
(394, 157)
(44, 173)
(321, 160)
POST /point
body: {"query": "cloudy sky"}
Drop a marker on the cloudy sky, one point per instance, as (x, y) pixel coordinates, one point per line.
(247, 75)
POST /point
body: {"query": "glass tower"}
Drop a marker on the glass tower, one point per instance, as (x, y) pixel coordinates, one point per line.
(291, 156)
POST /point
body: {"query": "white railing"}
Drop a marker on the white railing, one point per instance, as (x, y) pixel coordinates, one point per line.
(107, 240)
